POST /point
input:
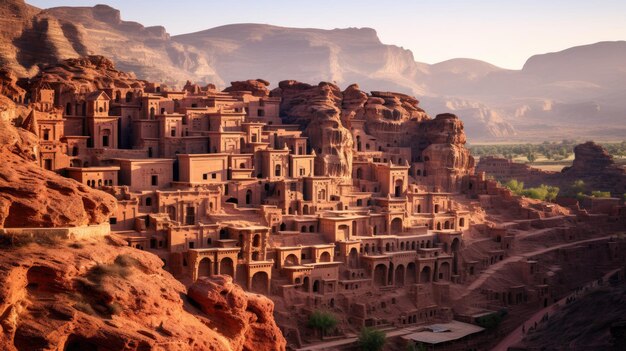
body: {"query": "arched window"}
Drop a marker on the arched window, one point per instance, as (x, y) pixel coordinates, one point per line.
(68, 109)
(75, 151)
(277, 171)
(152, 112)
(129, 96)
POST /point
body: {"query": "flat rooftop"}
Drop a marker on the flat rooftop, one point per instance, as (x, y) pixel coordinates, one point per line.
(439, 333)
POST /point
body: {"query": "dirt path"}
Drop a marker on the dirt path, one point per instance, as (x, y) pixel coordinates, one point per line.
(518, 334)
(486, 274)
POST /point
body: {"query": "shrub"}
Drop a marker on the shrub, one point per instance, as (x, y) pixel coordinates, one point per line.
(322, 321)
(371, 339)
(597, 193)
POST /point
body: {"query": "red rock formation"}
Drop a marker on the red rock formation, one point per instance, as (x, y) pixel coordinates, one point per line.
(95, 294)
(258, 87)
(394, 119)
(33, 197)
(317, 110)
(246, 319)
(85, 75)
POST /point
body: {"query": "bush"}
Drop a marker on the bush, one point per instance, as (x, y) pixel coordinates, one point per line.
(489, 322)
(322, 321)
(371, 339)
(597, 193)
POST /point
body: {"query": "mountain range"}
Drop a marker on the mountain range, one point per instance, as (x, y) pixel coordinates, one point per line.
(575, 93)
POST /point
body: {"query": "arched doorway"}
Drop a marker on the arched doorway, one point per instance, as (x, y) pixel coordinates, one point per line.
(353, 258)
(305, 284)
(291, 260)
(410, 273)
(399, 186)
(305, 209)
(260, 283)
(359, 173)
(204, 268)
(446, 225)
(425, 275)
(444, 271)
(325, 257)
(256, 241)
(316, 286)
(248, 197)
(396, 226)
(227, 267)
(379, 275)
(400, 275)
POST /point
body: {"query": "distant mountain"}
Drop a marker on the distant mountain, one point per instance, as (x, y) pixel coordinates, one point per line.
(576, 92)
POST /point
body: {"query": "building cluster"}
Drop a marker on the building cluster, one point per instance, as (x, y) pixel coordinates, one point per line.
(215, 183)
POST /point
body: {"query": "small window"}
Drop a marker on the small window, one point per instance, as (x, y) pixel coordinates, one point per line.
(205, 176)
(214, 175)
(173, 132)
(113, 220)
(155, 180)
(46, 134)
(191, 244)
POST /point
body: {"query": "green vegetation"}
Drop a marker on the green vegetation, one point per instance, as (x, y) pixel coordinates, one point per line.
(579, 190)
(491, 321)
(322, 321)
(597, 193)
(555, 151)
(415, 346)
(371, 339)
(542, 192)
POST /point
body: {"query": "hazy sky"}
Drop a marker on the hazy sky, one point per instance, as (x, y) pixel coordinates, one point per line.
(504, 33)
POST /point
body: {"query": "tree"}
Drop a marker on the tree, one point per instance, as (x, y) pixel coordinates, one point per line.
(322, 321)
(515, 186)
(531, 157)
(371, 339)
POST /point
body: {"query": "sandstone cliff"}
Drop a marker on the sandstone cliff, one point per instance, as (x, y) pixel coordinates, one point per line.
(33, 197)
(326, 114)
(101, 294)
(316, 108)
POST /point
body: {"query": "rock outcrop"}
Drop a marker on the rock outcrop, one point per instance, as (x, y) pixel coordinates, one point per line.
(258, 87)
(85, 75)
(331, 118)
(316, 108)
(99, 294)
(246, 319)
(34, 197)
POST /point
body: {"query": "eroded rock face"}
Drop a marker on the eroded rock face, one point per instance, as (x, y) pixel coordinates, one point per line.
(316, 108)
(590, 158)
(85, 75)
(34, 197)
(96, 294)
(246, 319)
(395, 120)
(258, 87)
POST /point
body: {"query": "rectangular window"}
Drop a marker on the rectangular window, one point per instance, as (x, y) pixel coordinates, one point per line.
(205, 176)
(105, 141)
(191, 244)
(214, 175)
(155, 180)
(46, 134)
(47, 164)
(113, 220)
(261, 113)
(173, 132)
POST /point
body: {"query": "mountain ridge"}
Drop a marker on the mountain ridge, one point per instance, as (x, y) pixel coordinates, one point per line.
(496, 103)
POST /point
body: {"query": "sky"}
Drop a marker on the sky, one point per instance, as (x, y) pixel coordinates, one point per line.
(504, 33)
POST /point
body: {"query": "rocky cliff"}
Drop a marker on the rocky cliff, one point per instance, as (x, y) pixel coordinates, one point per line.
(326, 114)
(100, 294)
(30, 37)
